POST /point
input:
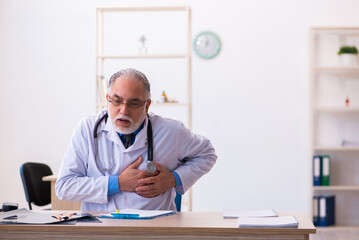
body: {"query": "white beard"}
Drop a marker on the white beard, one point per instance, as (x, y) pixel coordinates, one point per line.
(127, 130)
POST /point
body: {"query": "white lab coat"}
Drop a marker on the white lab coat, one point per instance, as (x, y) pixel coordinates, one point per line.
(174, 147)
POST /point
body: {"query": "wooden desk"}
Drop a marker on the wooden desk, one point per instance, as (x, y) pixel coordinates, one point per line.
(183, 225)
(56, 203)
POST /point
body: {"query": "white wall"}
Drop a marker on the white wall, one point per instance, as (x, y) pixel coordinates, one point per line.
(251, 100)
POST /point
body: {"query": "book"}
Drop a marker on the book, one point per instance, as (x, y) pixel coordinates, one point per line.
(268, 222)
(228, 213)
(325, 170)
(326, 214)
(130, 213)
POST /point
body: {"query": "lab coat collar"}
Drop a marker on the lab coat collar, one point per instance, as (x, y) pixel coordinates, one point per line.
(112, 135)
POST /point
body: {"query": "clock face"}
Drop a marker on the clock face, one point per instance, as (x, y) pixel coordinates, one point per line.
(207, 45)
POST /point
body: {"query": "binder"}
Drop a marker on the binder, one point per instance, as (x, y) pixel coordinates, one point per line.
(326, 210)
(316, 170)
(315, 210)
(325, 173)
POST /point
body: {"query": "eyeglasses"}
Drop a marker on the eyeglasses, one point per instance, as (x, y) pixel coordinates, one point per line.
(130, 104)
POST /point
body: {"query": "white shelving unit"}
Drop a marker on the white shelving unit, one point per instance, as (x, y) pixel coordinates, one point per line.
(335, 121)
(114, 49)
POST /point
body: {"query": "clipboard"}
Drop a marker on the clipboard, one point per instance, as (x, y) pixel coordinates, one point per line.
(25, 216)
(130, 213)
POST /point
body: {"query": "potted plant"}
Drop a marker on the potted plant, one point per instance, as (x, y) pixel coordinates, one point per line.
(347, 55)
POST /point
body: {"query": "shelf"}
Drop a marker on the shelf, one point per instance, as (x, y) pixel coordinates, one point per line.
(346, 31)
(337, 109)
(107, 54)
(337, 188)
(142, 9)
(334, 124)
(168, 104)
(158, 104)
(337, 70)
(338, 149)
(352, 72)
(144, 56)
(338, 228)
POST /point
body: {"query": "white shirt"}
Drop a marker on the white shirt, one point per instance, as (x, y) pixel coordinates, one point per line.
(175, 147)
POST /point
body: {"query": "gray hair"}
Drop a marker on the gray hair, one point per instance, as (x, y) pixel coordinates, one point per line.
(134, 75)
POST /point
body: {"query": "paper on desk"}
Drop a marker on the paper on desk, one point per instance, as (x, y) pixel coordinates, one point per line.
(268, 222)
(228, 213)
(23, 215)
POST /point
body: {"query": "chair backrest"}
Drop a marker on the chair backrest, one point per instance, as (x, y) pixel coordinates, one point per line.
(36, 190)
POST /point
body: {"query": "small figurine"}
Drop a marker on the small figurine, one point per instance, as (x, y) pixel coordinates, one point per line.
(164, 97)
(143, 48)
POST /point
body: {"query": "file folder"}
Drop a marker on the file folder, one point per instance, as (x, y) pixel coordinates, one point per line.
(326, 210)
(315, 210)
(316, 170)
(325, 173)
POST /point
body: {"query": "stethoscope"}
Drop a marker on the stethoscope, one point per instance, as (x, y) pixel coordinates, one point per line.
(151, 167)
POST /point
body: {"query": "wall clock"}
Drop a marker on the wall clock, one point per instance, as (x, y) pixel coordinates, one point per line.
(207, 44)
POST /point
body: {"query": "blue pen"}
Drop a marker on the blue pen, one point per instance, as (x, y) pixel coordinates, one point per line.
(125, 216)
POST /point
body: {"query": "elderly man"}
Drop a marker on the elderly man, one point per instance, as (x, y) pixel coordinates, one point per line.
(109, 165)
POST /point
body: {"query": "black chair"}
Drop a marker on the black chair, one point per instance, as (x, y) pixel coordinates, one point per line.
(37, 191)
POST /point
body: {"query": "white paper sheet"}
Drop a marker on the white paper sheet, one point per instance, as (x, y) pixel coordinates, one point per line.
(268, 222)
